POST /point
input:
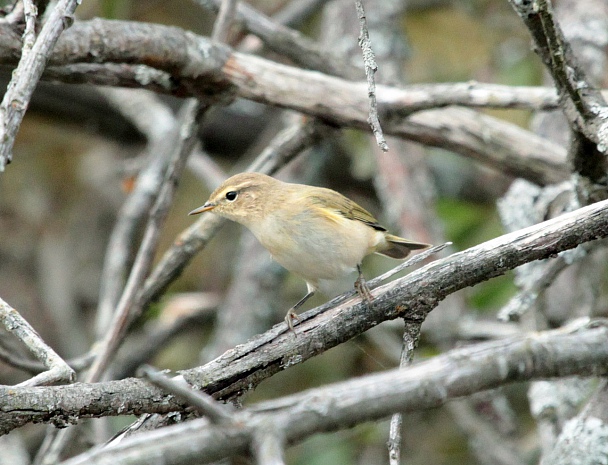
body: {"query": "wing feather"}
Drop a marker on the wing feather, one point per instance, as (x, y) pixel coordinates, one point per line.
(337, 203)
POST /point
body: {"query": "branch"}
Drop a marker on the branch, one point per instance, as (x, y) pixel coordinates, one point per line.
(320, 329)
(65, 405)
(28, 72)
(294, 14)
(157, 121)
(533, 288)
(412, 296)
(584, 105)
(127, 309)
(203, 403)
(210, 71)
(288, 42)
(411, 335)
(369, 61)
(57, 368)
(31, 366)
(225, 17)
(425, 385)
(396, 102)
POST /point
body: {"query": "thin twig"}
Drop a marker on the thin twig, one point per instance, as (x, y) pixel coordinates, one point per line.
(26, 76)
(371, 67)
(268, 444)
(202, 402)
(32, 366)
(528, 296)
(284, 147)
(58, 370)
(156, 121)
(30, 13)
(225, 17)
(419, 257)
(127, 310)
(411, 333)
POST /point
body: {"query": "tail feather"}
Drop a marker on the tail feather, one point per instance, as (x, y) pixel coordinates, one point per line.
(398, 247)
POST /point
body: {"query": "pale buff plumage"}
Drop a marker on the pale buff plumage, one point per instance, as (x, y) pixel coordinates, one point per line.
(313, 232)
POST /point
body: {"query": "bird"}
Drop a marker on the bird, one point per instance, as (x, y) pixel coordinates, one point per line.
(313, 232)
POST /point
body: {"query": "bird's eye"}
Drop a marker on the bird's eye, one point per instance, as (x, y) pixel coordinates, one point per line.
(231, 196)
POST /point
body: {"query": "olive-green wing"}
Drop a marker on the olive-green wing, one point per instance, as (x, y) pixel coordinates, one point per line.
(395, 247)
(332, 200)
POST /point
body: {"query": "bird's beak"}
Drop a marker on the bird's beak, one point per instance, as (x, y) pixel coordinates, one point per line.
(205, 208)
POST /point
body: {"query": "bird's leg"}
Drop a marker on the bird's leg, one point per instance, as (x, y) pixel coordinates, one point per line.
(291, 314)
(362, 288)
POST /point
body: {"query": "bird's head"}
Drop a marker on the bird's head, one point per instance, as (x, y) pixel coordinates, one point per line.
(243, 198)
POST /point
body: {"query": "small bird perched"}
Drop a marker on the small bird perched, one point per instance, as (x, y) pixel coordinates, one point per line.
(313, 232)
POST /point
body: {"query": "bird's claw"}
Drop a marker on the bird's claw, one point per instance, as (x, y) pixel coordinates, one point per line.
(363, 290)
(289, 319)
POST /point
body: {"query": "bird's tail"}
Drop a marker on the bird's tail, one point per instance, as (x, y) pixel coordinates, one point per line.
(398, 247)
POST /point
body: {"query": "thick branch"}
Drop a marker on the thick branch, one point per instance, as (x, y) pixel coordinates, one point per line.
(428, 384)
(209, 71)
(584, 105)
(412, 296)
(396, 102)
(65, 405)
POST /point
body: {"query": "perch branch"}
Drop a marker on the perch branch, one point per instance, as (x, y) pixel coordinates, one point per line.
(429, 384)
(412, 296)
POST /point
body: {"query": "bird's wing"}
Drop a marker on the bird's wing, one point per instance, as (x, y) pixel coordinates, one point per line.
(337, 203)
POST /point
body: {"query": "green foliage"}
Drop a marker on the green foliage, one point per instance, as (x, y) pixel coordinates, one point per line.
(468, 224)
(323, 449)
(115, 9)
(494, 293)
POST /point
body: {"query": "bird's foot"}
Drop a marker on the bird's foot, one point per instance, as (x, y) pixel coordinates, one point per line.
(292, 315)
(290, 318)
(363, 290)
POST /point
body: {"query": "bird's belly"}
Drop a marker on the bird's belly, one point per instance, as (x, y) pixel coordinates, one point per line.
(315, 263)
(309, 251)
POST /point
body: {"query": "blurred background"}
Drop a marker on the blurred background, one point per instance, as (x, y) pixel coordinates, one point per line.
(76, 158)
